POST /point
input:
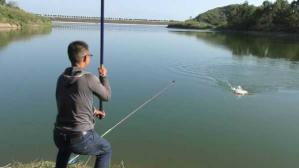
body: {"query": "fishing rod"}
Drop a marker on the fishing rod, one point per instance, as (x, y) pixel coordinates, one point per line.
(158, 94)
(75, 159)
(101, 108)
(102, 47)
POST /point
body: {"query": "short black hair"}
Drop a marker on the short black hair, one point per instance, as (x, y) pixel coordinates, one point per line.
(75, 50)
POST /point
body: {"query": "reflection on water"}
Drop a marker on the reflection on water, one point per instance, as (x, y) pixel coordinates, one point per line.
(6, 37)
(256, 45)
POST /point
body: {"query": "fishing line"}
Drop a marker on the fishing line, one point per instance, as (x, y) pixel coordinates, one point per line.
(158, 94)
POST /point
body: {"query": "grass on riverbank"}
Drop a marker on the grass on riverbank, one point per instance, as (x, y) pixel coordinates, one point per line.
(49, 164)
(16, 16)
(40, 164)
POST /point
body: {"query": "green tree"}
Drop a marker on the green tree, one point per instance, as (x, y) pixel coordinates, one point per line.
(267, 5)
(295, 3)
(264, 17)
(281, 10)
(2, 2)
(12, 4)
(241, 16)
(293, 19)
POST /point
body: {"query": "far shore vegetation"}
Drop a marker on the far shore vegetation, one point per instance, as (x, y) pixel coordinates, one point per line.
(11, 16)
(278, 16)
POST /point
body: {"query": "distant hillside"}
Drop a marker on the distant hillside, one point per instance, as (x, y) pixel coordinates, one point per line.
(15, 17)
(278, 16)
(211, 19)
(216, 17)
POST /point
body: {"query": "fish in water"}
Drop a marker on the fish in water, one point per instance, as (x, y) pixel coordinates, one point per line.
(239, 91)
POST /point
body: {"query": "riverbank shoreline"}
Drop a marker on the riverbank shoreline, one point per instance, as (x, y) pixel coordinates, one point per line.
(9, 26)
(14, 18)
(51, 164)
(4, 27)
(115, 22)
(255, 33)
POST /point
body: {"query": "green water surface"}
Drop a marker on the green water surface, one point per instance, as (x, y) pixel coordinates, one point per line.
(199, 123)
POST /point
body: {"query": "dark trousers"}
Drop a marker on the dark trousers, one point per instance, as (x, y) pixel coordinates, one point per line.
(89, 144)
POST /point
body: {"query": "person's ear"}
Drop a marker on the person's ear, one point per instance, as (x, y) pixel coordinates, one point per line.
(84, 59)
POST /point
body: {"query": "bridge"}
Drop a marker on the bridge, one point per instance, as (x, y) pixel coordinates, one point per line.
(90, 19)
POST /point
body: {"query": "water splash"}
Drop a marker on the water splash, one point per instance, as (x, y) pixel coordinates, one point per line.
(257, 77)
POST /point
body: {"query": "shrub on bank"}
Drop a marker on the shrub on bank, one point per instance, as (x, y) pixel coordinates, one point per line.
(19, 17)
(190, 24)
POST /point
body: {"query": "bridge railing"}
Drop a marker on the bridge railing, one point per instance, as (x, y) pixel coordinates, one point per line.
(97, 19)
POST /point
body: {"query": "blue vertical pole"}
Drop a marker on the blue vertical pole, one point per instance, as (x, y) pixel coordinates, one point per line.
(102, 44)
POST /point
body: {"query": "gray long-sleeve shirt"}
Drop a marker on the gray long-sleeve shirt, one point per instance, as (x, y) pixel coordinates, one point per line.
(74, 98)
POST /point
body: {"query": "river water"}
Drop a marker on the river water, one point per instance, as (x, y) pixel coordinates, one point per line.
(197, 123)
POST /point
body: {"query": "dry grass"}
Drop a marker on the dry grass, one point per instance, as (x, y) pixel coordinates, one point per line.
(19, 17)
(49, 164)
(40, 164)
